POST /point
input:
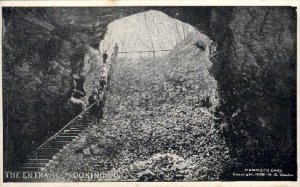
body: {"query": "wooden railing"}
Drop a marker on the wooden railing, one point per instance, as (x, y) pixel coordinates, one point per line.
(142, 52)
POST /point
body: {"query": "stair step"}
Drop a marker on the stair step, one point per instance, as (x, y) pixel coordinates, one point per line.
(45, 156)
(81, 123)
(31, 164)
(33, 160)
(80, 126)
(31, 168)
(42, 152)
(70, 134)
(56, 145)
(65, 138)
(60, 142)
(74, 129)
(47, 152)
(81, 119)
(49, 149)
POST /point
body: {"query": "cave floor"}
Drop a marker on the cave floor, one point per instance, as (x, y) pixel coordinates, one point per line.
(150, 131)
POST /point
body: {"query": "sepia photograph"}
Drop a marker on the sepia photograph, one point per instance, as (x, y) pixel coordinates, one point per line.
(149, 93)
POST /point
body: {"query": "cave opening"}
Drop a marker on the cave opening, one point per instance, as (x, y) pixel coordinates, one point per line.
(255, 45)
(146, 34)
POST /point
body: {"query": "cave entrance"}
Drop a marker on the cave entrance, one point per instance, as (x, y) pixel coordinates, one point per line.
(143, 35)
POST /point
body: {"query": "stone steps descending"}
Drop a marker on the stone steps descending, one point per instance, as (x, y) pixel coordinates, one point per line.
(51, 150)
(49, 153)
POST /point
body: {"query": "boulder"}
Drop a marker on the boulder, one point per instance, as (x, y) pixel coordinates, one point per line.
(86, 151)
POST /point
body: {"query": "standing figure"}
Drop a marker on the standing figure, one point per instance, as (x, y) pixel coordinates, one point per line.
(102, 83)
(104, 56)
(116, 50)
(92, 99)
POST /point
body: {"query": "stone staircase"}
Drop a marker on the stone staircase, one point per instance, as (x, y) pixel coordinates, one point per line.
(50, 151)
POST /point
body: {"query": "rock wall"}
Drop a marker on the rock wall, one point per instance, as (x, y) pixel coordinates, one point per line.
(256, 72)
(255, 67)
(37, 79)
(41, 55)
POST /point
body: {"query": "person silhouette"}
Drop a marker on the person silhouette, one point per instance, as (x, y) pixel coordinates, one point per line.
(116, 50)
(104, 56)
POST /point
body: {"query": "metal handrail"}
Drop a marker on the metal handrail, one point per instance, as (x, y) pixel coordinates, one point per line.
(150, 51)
(70, 122)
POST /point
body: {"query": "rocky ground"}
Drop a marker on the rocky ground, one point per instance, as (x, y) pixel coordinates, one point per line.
(156, 125)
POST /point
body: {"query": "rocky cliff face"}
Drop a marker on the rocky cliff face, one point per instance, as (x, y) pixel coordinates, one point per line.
(43, 48)
(256, 72)
(42, 53)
